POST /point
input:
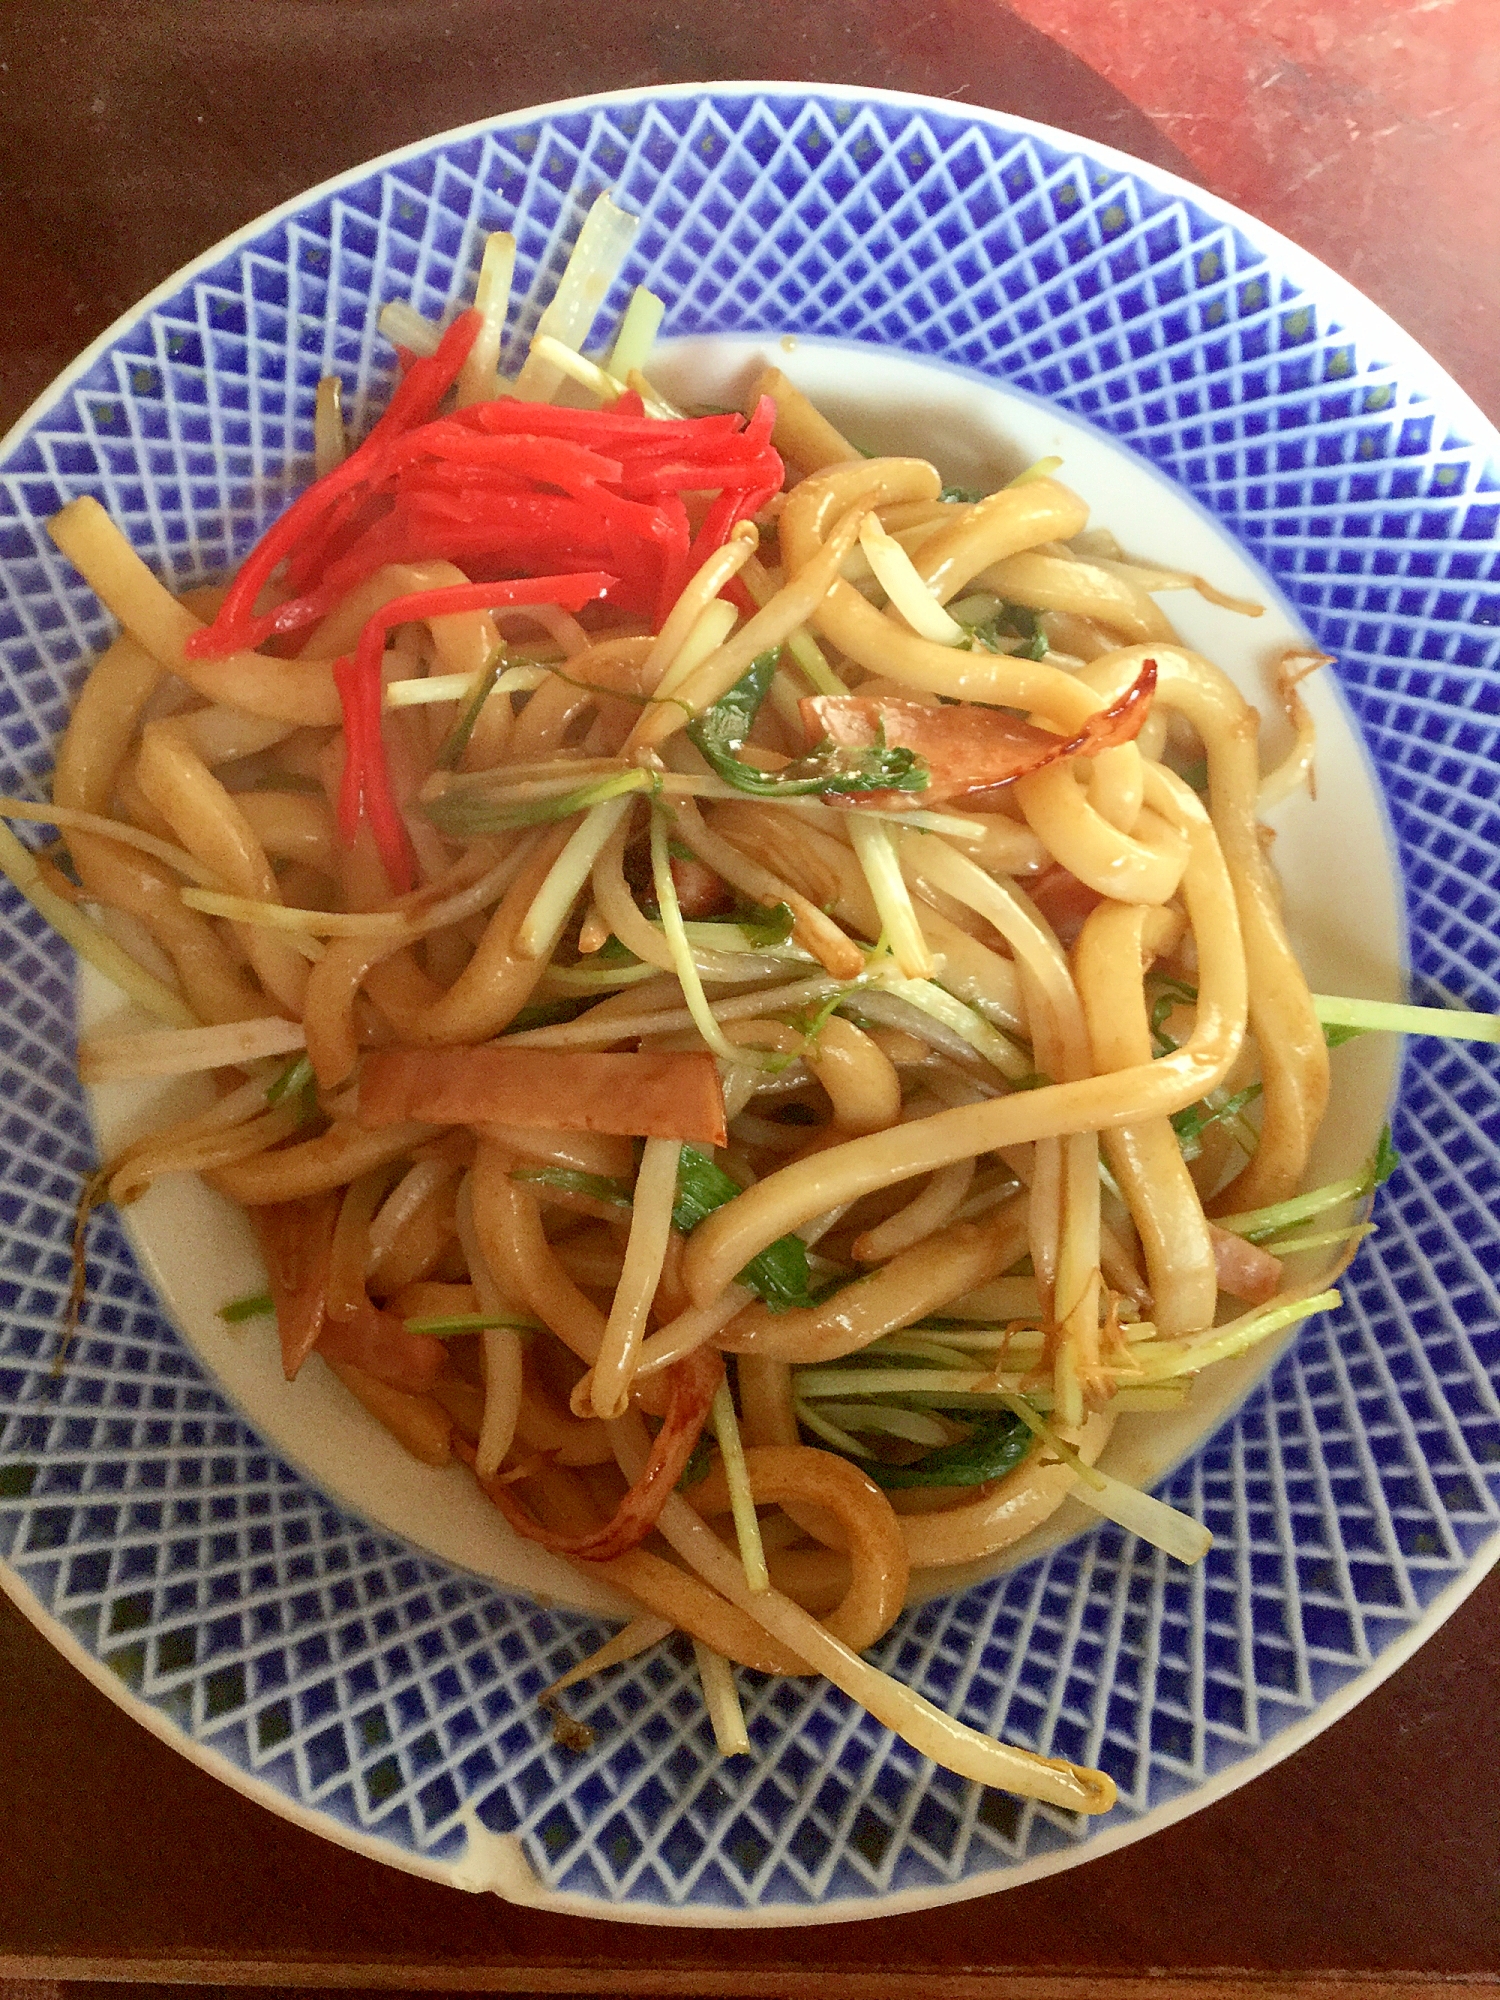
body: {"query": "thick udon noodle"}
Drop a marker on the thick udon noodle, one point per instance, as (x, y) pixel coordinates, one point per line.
(1011, 1163)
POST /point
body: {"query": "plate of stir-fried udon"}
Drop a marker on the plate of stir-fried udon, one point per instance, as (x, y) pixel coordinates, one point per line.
(742, 971)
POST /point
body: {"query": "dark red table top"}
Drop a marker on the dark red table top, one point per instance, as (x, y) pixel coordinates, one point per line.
(133, 135)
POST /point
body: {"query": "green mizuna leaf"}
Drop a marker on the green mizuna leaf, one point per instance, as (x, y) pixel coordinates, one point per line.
(454, 744)
(1335, 1034)
(1169, 993)
(1191, 1124)
(766, 926)
(700, 1462)
(721, 731)
(293, 1081)
(255, 1305)
(598, 1187)
(779, 1273)
(1002, 629)
(467, 812)
(996, 1445)
(444, 1326)
(1263, 1225)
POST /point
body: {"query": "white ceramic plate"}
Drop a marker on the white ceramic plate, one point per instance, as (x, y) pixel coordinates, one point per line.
(298, 1635)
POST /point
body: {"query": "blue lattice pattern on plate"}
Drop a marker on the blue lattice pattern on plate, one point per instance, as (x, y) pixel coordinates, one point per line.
(355, 1676)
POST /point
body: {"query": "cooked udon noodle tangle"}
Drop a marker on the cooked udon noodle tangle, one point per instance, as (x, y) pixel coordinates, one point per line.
(625, 843)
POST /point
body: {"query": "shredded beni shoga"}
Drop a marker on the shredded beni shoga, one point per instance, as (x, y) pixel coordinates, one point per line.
(741, 988)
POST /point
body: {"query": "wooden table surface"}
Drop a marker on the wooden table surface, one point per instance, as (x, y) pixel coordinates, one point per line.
(134, 133)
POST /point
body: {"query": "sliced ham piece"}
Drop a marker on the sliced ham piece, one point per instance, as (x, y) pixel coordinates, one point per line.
(700, 891)
(379, 1343)
(1245, 1271)
(1064, 901)
(969, 750)
(652, 1095)
(296, 1241)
